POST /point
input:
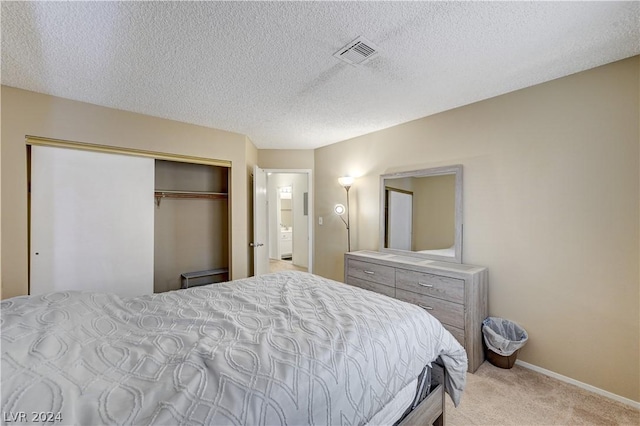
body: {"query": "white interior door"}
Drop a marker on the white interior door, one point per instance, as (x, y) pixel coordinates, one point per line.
(260, 222)
(91, 222)
(400, 220)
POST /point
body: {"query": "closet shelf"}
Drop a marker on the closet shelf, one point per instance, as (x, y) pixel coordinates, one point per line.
(189, 194)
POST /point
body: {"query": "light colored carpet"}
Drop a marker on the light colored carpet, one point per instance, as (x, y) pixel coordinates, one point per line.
(520, 396)
(284, 265)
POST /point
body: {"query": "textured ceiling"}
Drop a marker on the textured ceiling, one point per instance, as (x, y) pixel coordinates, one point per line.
(265, 69)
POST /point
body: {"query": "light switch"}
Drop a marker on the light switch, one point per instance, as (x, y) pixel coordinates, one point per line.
(320, 220)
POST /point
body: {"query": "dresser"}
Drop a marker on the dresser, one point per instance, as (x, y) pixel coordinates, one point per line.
(454, 293)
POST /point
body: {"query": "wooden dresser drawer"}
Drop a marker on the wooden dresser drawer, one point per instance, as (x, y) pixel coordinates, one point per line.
(370, 285)
(372, 272)
(456, 332)
(456, 294)
(447, 312)
(446, 288)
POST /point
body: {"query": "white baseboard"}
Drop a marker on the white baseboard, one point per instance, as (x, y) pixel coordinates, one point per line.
(584, 386)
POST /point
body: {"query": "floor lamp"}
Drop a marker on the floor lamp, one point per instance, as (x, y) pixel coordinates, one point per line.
(339, 209)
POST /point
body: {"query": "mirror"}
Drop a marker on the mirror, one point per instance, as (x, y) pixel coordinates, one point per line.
(421, 213)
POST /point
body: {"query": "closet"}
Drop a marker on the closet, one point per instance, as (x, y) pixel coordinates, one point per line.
(191, 225)
(129, 222)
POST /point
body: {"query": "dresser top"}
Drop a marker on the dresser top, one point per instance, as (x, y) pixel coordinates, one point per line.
(398, 260)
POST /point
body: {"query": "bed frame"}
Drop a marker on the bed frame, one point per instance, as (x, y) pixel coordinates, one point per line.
(431, 410)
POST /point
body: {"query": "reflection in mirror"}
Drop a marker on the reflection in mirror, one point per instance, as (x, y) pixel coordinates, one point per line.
(421, 213)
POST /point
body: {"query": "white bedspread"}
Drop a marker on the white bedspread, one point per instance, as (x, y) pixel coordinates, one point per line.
(288, 348)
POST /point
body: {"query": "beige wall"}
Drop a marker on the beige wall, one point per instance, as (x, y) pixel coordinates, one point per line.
(551, 185)
(29, 113)
(436, 206)
(285, 158)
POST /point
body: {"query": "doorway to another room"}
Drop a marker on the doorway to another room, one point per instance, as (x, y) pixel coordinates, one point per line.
(282, 220)
(287, 212)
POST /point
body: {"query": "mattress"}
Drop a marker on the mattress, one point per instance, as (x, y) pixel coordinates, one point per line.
(285, 348)
(395, 408)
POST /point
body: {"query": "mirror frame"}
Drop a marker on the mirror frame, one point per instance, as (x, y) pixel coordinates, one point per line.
(435, 171)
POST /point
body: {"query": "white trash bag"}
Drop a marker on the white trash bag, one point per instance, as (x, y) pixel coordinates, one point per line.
(502, 336)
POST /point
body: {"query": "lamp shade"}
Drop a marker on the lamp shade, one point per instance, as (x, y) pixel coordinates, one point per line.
(346, 181)
(339, 209)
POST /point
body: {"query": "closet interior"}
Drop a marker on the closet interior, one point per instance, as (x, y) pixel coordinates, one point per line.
(191, 235)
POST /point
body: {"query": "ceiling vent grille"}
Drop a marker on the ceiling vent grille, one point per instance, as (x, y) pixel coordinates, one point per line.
(358, 52)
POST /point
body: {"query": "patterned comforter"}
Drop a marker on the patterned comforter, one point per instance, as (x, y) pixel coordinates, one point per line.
(287, 348)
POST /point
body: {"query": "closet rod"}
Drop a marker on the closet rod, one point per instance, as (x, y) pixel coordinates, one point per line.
(189, 194)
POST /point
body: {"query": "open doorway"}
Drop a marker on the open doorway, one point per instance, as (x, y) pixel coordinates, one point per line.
(288, 220)
(282, 212)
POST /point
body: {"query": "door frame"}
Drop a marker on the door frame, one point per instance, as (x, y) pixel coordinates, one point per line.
(310, 210)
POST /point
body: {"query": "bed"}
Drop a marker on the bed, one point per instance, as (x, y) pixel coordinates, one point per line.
(287, 348)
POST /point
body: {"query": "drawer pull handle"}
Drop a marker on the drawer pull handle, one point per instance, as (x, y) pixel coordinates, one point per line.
(426, 308)
(425, 285)
(369, 272)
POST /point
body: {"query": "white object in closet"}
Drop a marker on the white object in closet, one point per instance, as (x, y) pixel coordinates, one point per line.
(92, 218)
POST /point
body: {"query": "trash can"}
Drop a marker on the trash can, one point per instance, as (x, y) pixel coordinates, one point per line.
(503, 339)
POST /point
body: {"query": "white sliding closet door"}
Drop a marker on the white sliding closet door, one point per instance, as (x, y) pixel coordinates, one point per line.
(91, 222)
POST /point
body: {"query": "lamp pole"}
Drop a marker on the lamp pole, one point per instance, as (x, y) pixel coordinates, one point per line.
(346, 183)
(348, 213)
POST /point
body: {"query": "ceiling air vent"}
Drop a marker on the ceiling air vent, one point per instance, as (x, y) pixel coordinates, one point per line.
(358, 52)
